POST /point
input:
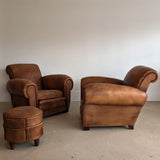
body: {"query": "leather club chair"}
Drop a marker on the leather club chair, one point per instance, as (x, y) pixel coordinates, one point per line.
(49, 93)
(113, 102)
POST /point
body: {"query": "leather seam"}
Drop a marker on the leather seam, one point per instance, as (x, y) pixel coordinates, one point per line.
(35, 92)
(140, 83)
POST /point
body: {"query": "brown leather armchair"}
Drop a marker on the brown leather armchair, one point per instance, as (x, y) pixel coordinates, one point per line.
(113, 102)
(27, 87)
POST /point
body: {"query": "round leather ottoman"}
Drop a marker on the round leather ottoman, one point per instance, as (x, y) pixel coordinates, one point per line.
(23, 124)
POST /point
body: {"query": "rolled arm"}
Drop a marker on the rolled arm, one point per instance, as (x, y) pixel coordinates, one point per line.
(60, 82)
(140, 77)
(57, 81)
(111, 94)
(23, 87)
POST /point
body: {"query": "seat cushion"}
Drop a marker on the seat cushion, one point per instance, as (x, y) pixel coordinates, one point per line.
(49, 94)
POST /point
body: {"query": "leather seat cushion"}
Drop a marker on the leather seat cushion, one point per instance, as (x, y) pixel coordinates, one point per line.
(49, 94)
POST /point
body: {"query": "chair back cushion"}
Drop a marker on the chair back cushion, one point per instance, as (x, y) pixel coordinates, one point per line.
(140, 77)
(25, 71)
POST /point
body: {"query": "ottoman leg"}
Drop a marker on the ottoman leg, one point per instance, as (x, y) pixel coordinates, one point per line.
(12, 145)
(36, 142)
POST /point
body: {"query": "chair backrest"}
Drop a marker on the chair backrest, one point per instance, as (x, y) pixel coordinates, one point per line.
(25, 71)
(140, 77)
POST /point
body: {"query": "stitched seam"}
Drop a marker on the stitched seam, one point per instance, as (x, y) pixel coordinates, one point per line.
(67, 89)
(35, 92)
(140, 83)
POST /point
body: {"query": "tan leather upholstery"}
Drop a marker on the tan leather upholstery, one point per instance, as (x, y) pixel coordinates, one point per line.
(113, 102)
(28, 87)
(23, 124)
(96, 79)
(144, 76)
(62, 82)
(111, 94)
(49, 94)
(25, 71)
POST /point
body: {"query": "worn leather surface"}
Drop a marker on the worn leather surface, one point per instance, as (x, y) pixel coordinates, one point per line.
(58, 105)
(49, 94)
(22, 112)
(97, 79)
(25, 71)
(140, 77)
(19, 86)
(27, 87)
(112, 94)
(109, 115)
(19, 101)
(21, 90)
(23, 124)
(112, 102)
(61, 82)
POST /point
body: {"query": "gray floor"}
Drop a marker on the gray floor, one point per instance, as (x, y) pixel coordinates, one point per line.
(64, 139)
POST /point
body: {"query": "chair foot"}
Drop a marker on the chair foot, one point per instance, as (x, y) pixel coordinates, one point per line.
(131, 127)
(65, 111)
(86, 128)
(12, 146)
(36, 142)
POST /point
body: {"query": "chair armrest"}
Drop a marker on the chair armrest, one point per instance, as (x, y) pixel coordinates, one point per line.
(140, 77)
(112, 94)
(23, 87)
(60, 82)
(96, 79)
(57, 81)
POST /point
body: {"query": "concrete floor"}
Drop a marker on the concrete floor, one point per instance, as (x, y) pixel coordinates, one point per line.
(64, 139)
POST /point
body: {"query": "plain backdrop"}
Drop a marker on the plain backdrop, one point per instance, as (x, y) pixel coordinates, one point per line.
(80, 38)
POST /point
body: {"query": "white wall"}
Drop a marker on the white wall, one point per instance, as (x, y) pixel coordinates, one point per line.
(80, 38)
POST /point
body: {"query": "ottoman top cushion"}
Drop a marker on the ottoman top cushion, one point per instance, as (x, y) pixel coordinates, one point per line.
(22, 112)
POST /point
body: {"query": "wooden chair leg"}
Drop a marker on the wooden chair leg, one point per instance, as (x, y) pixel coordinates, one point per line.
(36, 142)
(12, 145)
(131, 127)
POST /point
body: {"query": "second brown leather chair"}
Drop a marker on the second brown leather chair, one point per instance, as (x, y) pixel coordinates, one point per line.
(113, 102)
(27, 87)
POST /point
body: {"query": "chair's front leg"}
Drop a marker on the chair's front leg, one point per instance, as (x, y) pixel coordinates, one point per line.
(130, 127)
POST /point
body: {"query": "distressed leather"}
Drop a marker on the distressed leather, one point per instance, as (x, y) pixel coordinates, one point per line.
(49, 94)
(58, 105)
(25, 71)
(62, 82)
(22, 88)
(28, 87)
(113, 102)
(109, 115)
(143, 76)
(111, 94)
(98, 79)
(23, 124)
